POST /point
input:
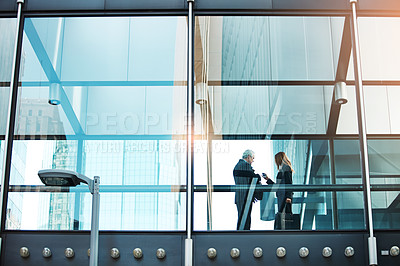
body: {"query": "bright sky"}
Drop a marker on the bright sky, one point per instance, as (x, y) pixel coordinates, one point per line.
(31, 205)
(223, 206)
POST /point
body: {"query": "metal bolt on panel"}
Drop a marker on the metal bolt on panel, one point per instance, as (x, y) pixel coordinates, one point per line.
(114, 252)
(46, 252)
(69, 253)
(138, 253)
(303, 252)
(24, 252)
(349, 252)
(326, 252)
(394, 251)
(235, 253)
(281, 252)
(257, 252)
(160, 253)
(211, 253)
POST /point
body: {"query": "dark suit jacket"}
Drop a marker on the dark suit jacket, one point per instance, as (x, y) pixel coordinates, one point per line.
(284, 177)
(243, 174)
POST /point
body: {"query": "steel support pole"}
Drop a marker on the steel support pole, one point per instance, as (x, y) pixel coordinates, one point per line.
(190, 139)
(372, 250)
(12, 104)
(94, 231)
(333, 182)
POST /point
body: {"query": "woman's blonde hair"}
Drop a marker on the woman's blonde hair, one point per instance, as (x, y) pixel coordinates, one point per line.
(282, 157)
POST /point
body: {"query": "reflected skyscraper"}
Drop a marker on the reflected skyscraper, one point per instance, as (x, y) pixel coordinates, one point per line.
(141, 163)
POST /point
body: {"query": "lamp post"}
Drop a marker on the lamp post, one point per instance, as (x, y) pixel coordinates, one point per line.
(67, 178)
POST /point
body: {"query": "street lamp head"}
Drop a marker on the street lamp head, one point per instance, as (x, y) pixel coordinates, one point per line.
(57, 177)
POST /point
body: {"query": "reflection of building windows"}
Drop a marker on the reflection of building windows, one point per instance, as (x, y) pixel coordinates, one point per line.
(133, 162)
(60, 217)
(39, 112)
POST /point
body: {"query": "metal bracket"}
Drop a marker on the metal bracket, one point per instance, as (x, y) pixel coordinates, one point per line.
(188, 252)
(372, 251)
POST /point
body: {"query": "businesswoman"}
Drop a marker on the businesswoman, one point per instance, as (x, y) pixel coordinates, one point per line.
(284, 177)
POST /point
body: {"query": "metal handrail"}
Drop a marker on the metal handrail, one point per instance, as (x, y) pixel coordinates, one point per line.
(200, 188)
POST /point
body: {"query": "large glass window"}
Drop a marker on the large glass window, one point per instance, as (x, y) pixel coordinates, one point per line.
(106, 97)
(266, 84)
(112, 103)
(7, 31)
(379, 40)
(7, 42)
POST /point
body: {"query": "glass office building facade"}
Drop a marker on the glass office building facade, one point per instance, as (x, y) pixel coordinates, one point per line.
(161, 105)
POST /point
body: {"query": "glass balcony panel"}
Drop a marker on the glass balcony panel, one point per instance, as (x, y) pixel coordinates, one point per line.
(385, 209)
(351, 213)
(347, 162)
(316, 212)
(384, 159)
(141, 211)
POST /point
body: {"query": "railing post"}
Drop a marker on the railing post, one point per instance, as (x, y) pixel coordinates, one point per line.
(190, 139)
(372, 250)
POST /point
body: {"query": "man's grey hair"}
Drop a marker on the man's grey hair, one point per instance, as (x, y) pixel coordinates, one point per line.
(247, 153)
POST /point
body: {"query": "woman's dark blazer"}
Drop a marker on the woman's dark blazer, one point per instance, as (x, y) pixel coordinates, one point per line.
(284, 177)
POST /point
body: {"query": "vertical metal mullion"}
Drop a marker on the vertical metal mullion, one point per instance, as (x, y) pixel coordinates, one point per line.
(77, 199)
(12, 106)
(372, 250)
(333, 182)
(190, 139)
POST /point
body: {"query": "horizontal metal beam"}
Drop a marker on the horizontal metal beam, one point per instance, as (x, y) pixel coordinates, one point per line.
(111, 83)
(204, 5)
(200, 188)
(226, 83)
(182, 188)
(199, 137)
(103, 188)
